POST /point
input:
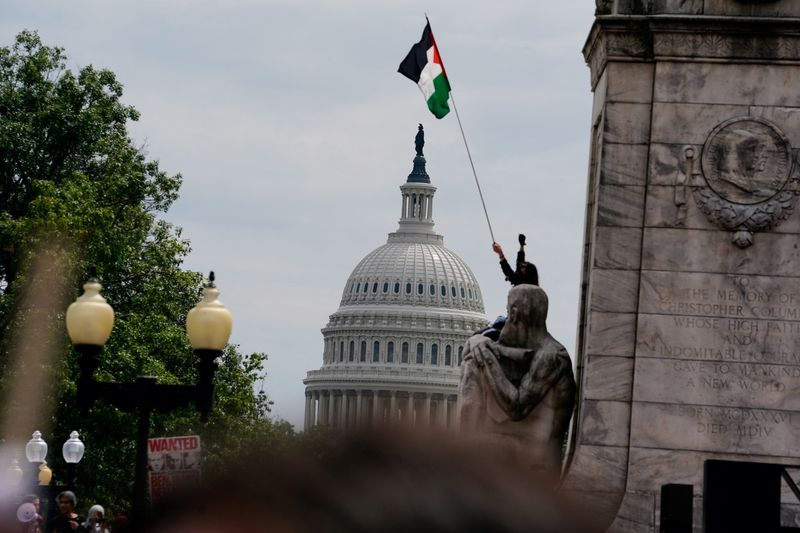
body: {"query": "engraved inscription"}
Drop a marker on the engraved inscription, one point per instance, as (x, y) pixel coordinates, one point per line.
(721, 353)
(743, 423)
(721, 296)
(715, 428)
(690, 382)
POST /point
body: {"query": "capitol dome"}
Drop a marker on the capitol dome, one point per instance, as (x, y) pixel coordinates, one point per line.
(392, 350)
(413, 273)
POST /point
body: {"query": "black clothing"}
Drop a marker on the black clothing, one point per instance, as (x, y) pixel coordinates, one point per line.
(60, 524)
(530, 277)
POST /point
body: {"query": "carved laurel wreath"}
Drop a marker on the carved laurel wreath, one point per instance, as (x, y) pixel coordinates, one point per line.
(745, 218)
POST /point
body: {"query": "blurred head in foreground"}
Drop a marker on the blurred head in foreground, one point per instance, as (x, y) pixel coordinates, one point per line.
(371, 483)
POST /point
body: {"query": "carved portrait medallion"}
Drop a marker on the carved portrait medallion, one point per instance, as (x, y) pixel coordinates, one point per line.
(746, 160)
(747, 164)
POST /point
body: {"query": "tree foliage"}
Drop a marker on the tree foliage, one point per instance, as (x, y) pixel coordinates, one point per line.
(71, 177)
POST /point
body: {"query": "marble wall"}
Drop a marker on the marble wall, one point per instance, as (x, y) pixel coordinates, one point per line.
(689, 338)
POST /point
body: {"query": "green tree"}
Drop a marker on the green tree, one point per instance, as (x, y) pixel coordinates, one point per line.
(76, 191)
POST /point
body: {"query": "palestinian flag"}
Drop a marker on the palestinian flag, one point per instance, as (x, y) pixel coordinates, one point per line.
(423, 65)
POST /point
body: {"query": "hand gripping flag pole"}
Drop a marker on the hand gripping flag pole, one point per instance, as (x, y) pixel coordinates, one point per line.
(423, 65)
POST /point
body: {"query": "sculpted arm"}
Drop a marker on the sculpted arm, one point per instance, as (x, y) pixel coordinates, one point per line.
(545, 373)
(506, 393)
(546, 370)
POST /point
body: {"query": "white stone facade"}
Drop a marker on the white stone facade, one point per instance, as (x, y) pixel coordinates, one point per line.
(392, 350)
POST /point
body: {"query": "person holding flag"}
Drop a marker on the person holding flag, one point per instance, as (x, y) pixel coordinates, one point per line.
(423, 65)
(526, 272)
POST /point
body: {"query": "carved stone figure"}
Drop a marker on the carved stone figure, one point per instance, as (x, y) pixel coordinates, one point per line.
(419, 140)
(748, 182)
(517, 394)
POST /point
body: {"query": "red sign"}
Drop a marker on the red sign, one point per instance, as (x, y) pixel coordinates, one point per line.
(173, 462)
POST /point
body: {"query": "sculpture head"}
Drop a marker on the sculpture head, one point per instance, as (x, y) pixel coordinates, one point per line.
(742, 154)
(527, 316)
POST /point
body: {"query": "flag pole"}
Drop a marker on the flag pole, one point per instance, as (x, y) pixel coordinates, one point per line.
(469, 154)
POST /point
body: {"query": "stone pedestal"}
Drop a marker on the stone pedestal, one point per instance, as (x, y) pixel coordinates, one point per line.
(689, 334)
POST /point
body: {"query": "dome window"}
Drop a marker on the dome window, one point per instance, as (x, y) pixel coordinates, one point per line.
(435, 354)
(341, 351)
(420, 353)
(366, 286)
(469, 291)
(404, 353)
(444, 291)
(432, 289)
(385, 287)
(376, 352)
(390, 352)
(463, 294)
(420, 289)
(453, 291)
(408, 288)
(460, 354)
(397, 287)
(374, 287)
(358, 287)
(448, 355)
(363, 354)
(352, 350)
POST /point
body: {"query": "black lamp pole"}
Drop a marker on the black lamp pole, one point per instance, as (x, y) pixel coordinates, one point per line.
(144, 396)
(71, 469)
(208, 326)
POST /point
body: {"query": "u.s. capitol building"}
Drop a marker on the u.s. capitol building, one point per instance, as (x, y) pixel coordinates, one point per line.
(393, 348)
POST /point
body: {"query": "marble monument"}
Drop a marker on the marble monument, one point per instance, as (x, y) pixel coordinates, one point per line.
(689, 329)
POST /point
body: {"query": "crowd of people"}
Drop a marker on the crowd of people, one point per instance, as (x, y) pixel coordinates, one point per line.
(67, 519)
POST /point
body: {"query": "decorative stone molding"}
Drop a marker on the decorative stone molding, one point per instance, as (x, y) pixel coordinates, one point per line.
(603, 7)
(727, 46)
(747, 182)
(643, 38)
(606, 45)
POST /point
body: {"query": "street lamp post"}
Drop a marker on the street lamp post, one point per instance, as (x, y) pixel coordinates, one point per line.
(72, 451)
(41, 475)
(35, 453)
(89, 322)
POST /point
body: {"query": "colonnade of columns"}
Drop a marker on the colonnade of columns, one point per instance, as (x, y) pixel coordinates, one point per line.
(418, 206)
(347, 408)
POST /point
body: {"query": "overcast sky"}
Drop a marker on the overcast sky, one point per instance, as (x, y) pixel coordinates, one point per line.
(293, 130)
